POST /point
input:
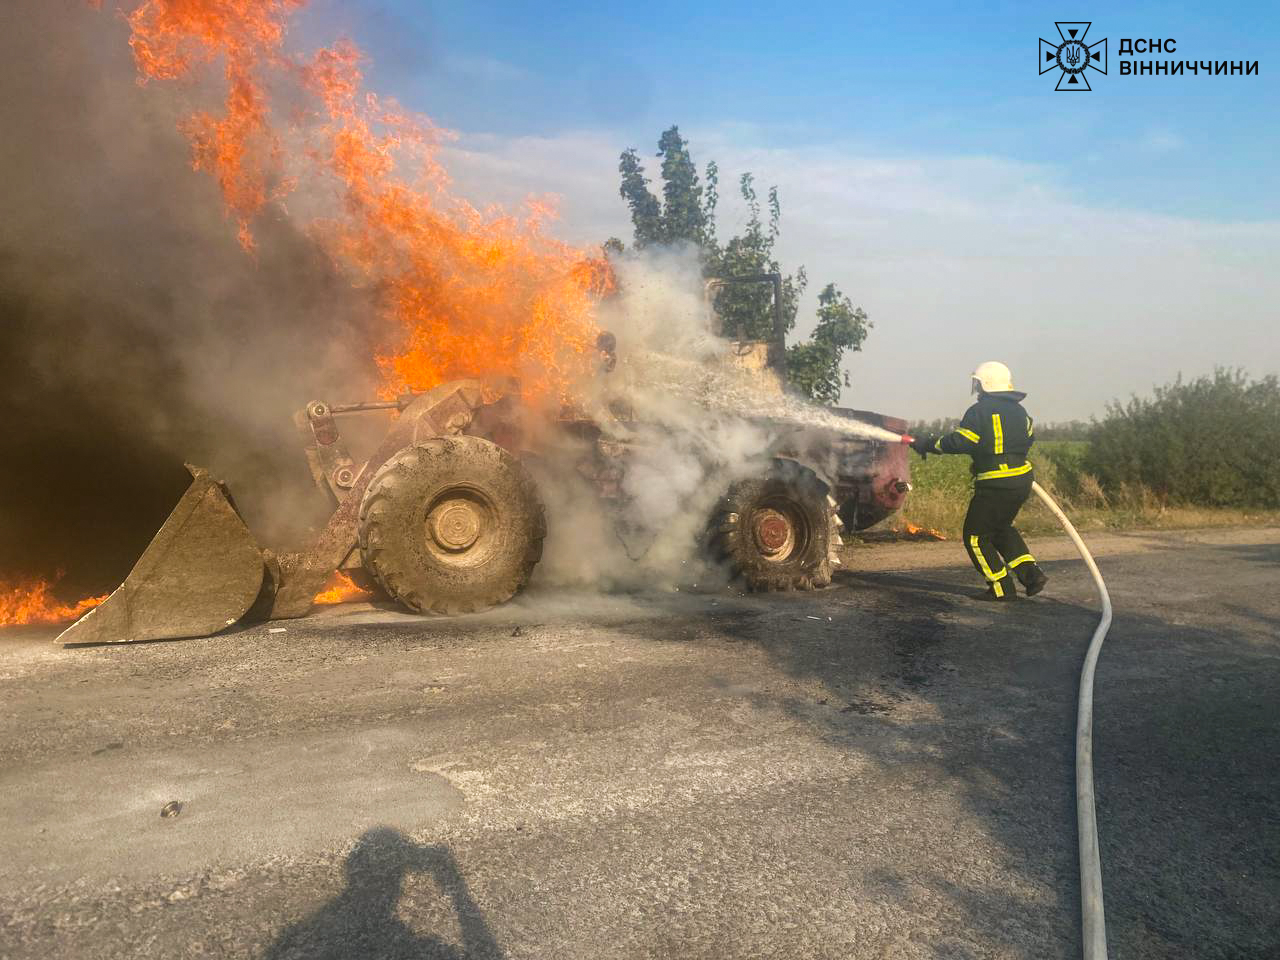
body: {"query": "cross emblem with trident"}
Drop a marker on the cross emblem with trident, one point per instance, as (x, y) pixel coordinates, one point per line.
(1073, 56)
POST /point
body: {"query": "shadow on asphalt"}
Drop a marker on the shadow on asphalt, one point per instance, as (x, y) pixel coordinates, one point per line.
(362, 921)
(1187, 729)
(1263, 553)
(978, 700)
(907, 581)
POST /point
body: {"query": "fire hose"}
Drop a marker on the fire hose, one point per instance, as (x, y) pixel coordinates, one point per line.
(1092, 915)
(1093, 920)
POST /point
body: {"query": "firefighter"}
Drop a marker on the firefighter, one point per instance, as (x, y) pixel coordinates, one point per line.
(997, 433)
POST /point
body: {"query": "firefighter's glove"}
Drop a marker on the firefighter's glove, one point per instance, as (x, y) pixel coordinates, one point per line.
(924, 445)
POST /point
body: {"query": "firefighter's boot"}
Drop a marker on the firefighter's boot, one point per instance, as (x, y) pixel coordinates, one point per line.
(1033, 578)
(1000, 591)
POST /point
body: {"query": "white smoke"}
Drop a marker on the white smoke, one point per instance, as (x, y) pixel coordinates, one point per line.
(691, 421)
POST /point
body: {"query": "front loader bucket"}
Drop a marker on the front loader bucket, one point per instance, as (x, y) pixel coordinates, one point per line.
(200, 574)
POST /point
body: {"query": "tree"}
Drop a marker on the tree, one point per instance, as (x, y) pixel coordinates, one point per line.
(687, 214)
(646, 213)
(682, 213)
(680, 216)
(745, 311)
(813, 368)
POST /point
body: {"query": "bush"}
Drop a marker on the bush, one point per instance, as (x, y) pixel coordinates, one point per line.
(1064, 430)
(1213, 441)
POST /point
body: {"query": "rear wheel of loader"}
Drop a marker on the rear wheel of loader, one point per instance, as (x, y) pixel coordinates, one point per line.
(451, 525)
(778, 531)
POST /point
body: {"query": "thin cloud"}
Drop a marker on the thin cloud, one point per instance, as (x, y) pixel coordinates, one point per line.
(958, 259)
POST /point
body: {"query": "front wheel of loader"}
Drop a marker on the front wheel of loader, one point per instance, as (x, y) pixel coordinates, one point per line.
(778, 531)
(451, 525)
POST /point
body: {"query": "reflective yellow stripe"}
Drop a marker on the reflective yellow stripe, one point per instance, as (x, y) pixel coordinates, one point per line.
(1005, 471)
(968, 435)
(1031, 427)
(997, 589)
(997, 433)
(937, 445)
(1025, 558)
(983, 565)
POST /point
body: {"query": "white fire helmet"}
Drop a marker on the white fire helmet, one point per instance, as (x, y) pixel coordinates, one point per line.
(992, 377)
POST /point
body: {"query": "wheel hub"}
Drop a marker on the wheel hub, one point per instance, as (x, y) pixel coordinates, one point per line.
(454, 525)
(773, 532)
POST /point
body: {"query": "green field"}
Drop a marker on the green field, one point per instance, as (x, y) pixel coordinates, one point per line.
(942, 487)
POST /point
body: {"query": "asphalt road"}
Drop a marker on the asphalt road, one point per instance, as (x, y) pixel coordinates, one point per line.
(881, 769)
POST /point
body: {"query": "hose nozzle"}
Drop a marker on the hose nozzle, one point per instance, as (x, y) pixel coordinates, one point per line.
(906, 440)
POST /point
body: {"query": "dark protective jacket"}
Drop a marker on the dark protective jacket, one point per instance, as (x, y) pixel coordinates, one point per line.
(997, 433)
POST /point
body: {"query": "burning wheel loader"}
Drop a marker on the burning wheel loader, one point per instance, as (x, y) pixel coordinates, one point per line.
(445, 516)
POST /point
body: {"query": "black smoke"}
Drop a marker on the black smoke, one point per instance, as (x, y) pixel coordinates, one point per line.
(135, 333)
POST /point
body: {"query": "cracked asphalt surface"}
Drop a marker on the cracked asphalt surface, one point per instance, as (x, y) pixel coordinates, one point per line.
(881, 769)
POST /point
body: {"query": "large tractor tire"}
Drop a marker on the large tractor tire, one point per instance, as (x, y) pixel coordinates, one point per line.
(451, 525)
(778, 531)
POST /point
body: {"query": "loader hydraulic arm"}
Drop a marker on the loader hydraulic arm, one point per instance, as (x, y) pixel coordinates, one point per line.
(332, 466)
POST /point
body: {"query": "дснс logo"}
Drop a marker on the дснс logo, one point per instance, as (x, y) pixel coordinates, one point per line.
(1073, 56)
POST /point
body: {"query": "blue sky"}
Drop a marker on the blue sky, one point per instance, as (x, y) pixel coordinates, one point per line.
(903, 77)
(929, 107)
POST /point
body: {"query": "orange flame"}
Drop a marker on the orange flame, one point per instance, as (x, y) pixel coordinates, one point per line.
(340, 589)
(462, 292)
(923, 532)
(27, 602)
(171, 38)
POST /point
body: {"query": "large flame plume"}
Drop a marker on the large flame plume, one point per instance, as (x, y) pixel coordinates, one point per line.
(463, 292)
(460, 291)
